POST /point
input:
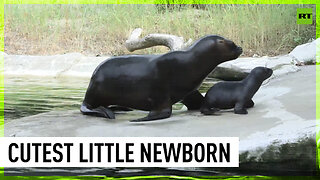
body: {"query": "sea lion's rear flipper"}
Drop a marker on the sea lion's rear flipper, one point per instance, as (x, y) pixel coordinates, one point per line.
(156, 115)
(193, 101)
(99, 111)
(209, 111)
(208, 108)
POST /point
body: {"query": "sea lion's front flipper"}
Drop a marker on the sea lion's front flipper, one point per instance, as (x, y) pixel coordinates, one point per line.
(240, 108)
(249, 104)
(156, 115)
(99, 111)
(194, 100)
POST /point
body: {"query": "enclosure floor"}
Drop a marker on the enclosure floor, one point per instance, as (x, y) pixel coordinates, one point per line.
(285, 108)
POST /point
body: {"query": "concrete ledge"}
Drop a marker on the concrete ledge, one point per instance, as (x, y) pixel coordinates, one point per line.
(279, 131)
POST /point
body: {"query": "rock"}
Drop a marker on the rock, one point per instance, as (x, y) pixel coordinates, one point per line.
(3, 53)
(305, 53)
(71, 64)
(281, 65)
(239, 68)
(277, 136)
(84, 67)
(255, 55)
(228, 74)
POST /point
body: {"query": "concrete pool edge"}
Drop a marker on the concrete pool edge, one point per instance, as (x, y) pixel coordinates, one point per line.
(283, 120)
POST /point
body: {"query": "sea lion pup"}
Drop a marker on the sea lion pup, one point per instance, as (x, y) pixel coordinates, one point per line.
(235, 94)
(155, 82)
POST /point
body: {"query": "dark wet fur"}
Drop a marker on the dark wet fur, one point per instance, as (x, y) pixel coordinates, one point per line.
(235, 94)
(155, 82)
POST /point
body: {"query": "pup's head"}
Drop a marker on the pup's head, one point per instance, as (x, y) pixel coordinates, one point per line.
(262, 73)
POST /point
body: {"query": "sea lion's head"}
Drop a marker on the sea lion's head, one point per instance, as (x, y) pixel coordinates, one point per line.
(262, 73)
(218, 48)
(226, 48)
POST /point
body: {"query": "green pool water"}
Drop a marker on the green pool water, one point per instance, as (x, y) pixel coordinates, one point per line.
(25, 96)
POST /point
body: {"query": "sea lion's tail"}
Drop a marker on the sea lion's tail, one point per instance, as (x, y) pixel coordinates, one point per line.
(99, 111)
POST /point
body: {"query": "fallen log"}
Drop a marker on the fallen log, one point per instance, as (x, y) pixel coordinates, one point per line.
(173, 42)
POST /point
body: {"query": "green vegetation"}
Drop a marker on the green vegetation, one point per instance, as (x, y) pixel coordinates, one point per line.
(103, 29)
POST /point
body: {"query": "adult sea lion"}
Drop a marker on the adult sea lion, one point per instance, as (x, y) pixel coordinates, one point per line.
(155, 82)
(235, 94)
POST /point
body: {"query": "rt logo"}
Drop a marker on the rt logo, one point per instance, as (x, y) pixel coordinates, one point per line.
(304, 16)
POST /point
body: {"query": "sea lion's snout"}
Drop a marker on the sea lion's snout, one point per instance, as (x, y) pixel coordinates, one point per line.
(269, 72)
(262, 72)
(239, 50)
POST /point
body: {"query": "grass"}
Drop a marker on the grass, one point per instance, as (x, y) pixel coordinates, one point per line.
(103, 29)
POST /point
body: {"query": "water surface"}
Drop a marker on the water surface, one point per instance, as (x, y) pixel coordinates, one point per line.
(25, 96)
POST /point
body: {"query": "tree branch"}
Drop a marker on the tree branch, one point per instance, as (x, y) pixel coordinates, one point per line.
(172, 42)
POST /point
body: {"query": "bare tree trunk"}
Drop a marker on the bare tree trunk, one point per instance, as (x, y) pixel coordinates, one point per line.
(172, 42)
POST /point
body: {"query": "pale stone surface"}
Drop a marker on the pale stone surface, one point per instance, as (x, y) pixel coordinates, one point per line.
(284, 112)
(238, 69)
(306, 52)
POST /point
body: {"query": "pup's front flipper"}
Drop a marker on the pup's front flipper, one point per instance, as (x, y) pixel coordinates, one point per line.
(99, 111)
(156, 115)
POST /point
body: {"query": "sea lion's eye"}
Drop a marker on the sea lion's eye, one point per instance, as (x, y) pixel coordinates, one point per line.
(220, 41)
